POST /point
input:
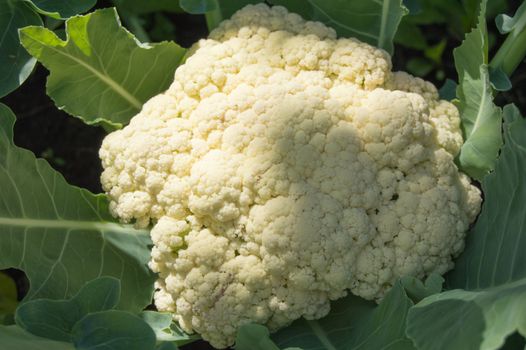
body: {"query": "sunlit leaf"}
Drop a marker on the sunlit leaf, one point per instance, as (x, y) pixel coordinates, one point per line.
(481, 118)
(101, 73)
(62, 8)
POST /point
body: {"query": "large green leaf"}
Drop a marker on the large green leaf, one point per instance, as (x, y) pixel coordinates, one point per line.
(61, 316)
(495, 246)
(492, 268)
(352, 324)
(167, 346)
(15, 63)
(61, 8)
(63, 236)
(469, 320)
(374, 22)
(107, 330)
(113, 330)
(87, 319)
(101, 72)
(481, 118)
(166, 330)
(15, 338)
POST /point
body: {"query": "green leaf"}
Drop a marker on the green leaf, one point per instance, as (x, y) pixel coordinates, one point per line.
(417, 290)
(113, 330)
(8, 297)
(506, 24)
(167, 346)
(61, 315)
(469, 320)
(15, 63)
(15, 338)
(198, 6)
(354, 324)
(481, 119)
(101, 73)
(448, 90)
(87, 319)
(513, 50)
(225, 8)
(492, 268)
(166, 330)
(499, 80)
(374, 22)
(494, 251)
(142, 6)
(254, 337)
(61, 8)
(63, 236)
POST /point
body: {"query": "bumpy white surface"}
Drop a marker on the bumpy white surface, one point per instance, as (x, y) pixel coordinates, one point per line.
(284, 167)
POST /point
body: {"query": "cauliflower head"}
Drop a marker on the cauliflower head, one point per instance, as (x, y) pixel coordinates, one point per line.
(283, 168)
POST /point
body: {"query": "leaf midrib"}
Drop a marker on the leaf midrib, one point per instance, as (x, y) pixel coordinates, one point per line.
(383, 19)
(321, 335)
(343, 25)
(104, 78)
(481, 106)
(101, 226)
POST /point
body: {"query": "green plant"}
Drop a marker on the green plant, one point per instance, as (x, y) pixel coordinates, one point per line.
(88, 274)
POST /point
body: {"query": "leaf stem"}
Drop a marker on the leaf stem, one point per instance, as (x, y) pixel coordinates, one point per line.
(511, 53)
(321, 334)
(71, 225)
(214, 17)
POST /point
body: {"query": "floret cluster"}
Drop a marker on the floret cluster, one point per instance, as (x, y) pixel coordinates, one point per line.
(284, 168)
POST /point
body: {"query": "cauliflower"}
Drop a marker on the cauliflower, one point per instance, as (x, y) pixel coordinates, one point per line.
(283, 168)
